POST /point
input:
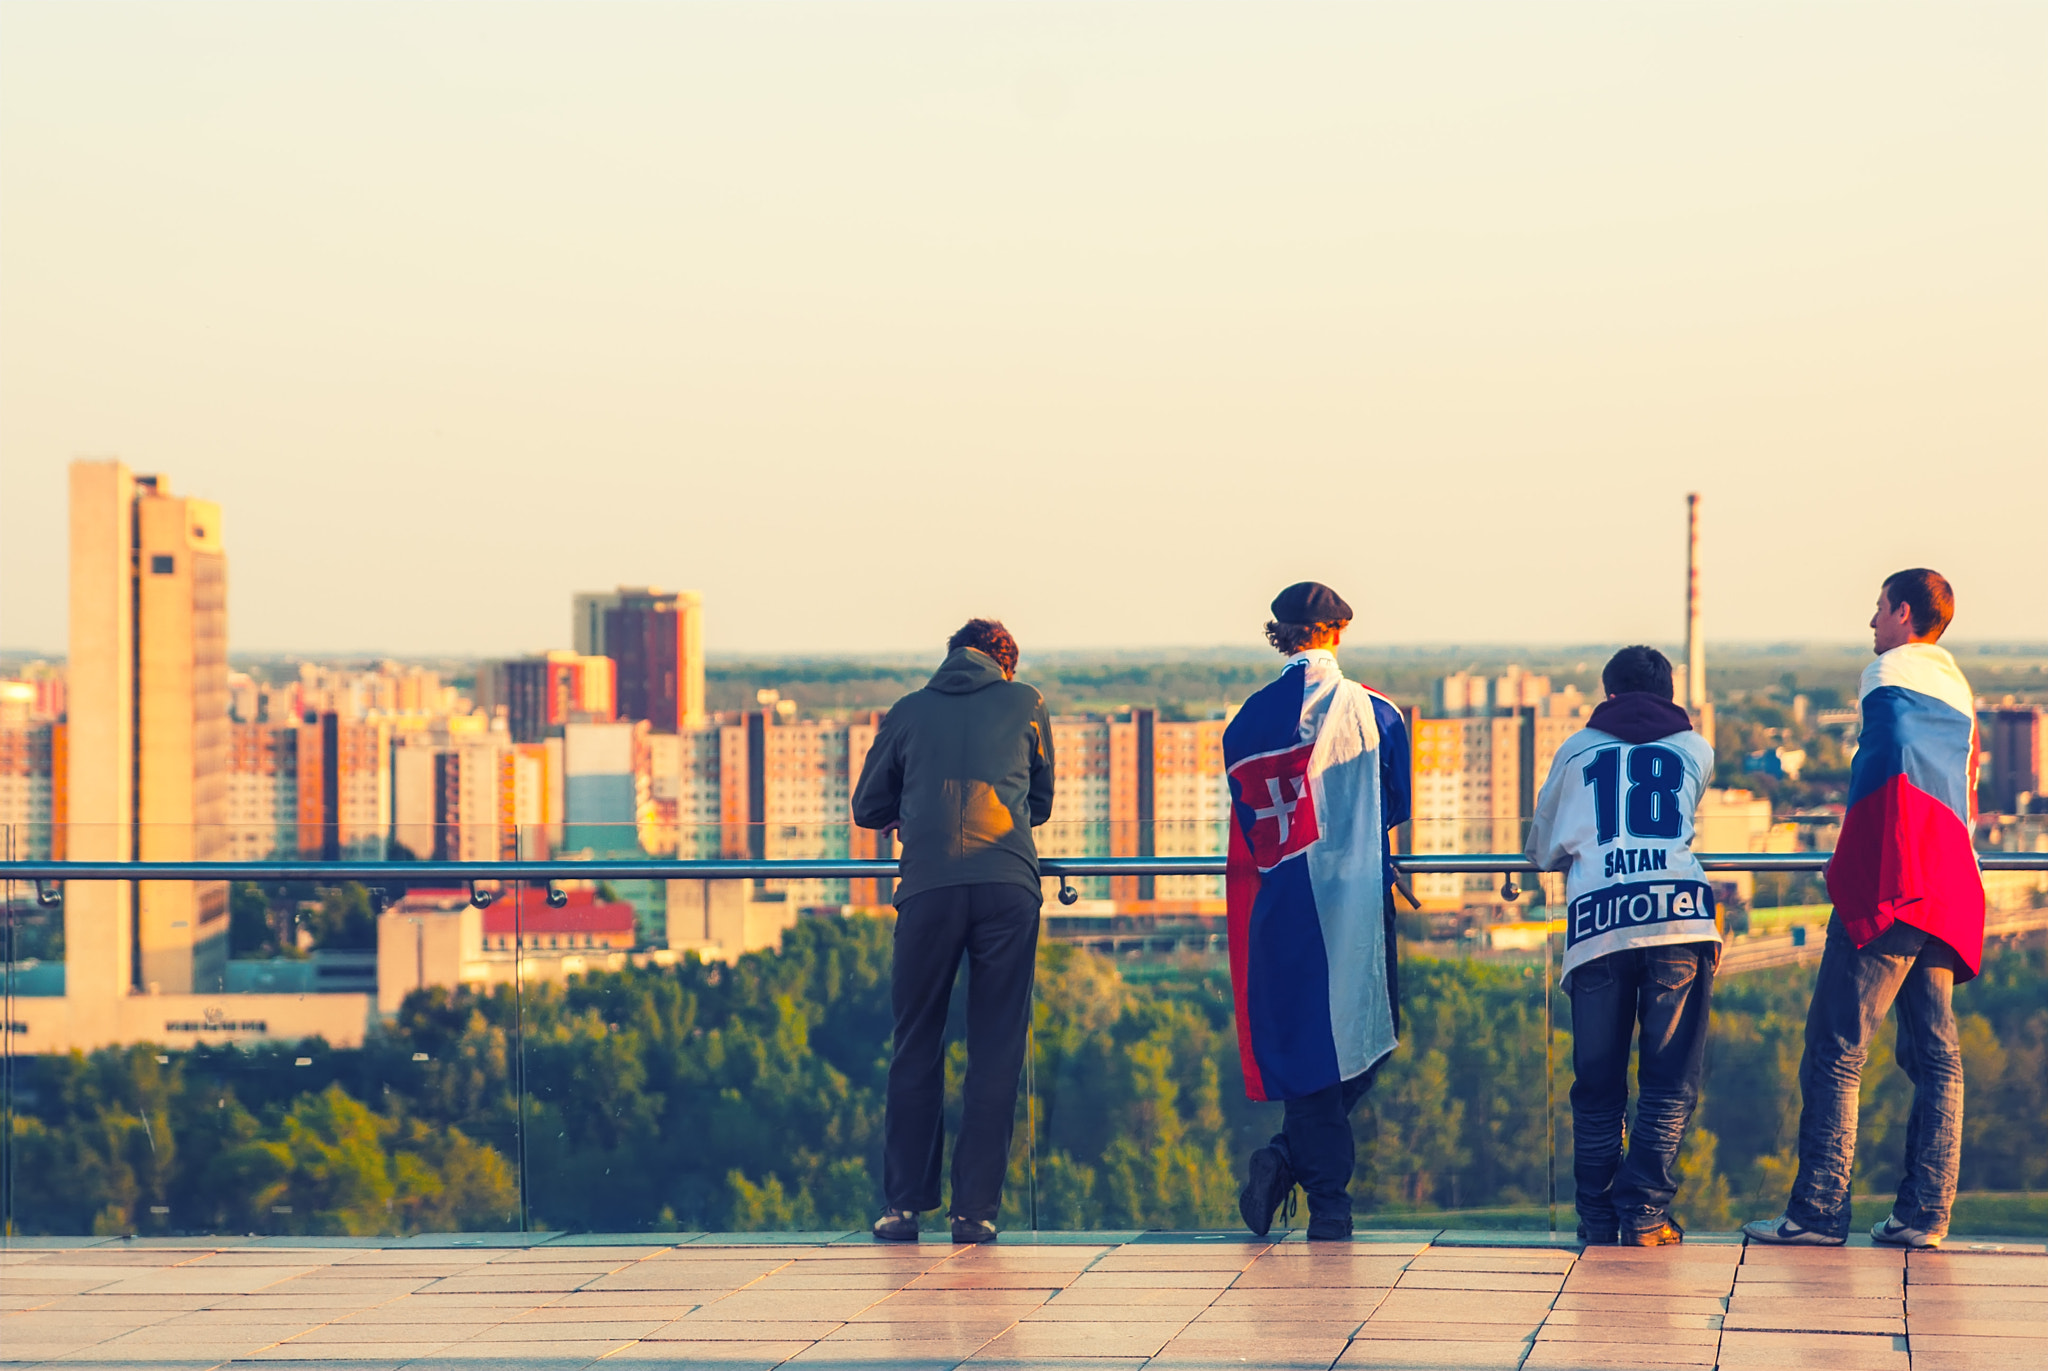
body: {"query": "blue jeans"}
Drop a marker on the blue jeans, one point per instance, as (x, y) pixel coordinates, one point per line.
(1856, 987)
(1315, 1137)
(1665, 989)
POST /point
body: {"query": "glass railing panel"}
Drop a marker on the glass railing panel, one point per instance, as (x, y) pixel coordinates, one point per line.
(719, 1064)
(256, 1056)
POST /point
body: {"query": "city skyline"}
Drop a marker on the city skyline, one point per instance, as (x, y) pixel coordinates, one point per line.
(460, 313)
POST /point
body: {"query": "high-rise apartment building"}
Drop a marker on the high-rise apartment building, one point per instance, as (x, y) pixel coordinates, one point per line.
(2013, 743)
(543, 695)
(655, 638)
(148, 744)
(29, 775)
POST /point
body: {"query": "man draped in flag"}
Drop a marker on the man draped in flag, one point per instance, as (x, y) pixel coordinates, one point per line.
(1908, 924)
(1318, 769)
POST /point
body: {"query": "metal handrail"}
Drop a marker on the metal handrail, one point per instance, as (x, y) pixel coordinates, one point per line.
(799, 869)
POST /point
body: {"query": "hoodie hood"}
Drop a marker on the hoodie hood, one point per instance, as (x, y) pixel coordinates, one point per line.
(965, 672)
(1637, 716)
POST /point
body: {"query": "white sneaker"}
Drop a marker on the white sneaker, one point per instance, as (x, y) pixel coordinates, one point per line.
(1783, 1231)
(1892, 1233)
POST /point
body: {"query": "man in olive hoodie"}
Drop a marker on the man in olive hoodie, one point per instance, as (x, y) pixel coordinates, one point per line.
(963, 771)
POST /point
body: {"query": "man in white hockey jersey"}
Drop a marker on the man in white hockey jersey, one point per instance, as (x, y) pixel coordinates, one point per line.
(1641, 943)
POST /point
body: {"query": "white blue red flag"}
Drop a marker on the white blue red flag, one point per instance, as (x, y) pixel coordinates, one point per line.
(1905, 852)
(1318, 769)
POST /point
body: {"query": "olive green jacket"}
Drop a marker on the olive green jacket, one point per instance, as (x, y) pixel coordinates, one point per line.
(963, 769)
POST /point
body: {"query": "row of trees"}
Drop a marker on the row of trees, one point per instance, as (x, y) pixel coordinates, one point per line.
(750, 1097)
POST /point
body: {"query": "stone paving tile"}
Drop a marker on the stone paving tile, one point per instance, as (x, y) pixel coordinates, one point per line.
(367, 1334)
(1129, 1339)
(1821, 1351)
(1411, 1279)
(1989, 1326)
(1763, 1254)
(1813, 1316)
(976, 1330)
(727, 1356)
(652, 1300)
(804, 1280)
(946, 1279)
(1466, 1356)
(1636, 1320)
(1378, 1329)
(949, 1303)
(556, 1255)
(1609, 1333)
(1293, 1316)
(1277, 1348)
(1480, 1259)
(1643, 1304)
(1974, 1360)
(1426, 1306)
(1302, 1326)
(1600, 1356)
(361, 1291)
(981, 1361)
(549, 1314)
(2036, 1347)
(1608, 1281)
(1058, 1311)
(908, 1357)
(789, 1304)
(580, 1351)
(1152, 1280)
(1294, 1274)
(693, 1329)
(1292, 1303)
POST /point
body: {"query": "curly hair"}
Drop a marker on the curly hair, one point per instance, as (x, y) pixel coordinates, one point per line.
(1288, 639)
(987, 636)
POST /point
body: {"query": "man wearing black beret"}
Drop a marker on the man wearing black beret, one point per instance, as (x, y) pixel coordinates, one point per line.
(1318, 770)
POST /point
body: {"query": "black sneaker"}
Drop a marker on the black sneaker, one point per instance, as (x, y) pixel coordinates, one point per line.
(896, 1225)
(973, 1230)
(1271, 1181)
(1597, 1237)
(1329, 1230)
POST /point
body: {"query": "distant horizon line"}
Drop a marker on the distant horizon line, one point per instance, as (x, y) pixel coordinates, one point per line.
(1252, 649)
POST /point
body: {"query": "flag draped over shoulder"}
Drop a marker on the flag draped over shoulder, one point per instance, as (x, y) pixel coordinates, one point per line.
(1307, 883)
(1905, 852)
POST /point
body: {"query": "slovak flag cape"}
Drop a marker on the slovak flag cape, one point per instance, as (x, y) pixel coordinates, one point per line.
(1307, 877)
(1905, 852)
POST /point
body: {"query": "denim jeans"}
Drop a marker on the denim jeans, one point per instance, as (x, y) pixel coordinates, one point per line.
(1856, 986)
(1315, 1137)
(1665, 989)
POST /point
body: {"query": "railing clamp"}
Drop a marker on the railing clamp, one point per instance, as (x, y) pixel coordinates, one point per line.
(556, 898)
(480, 897)
(48, 895)
(1068, 895)
(1509, 891)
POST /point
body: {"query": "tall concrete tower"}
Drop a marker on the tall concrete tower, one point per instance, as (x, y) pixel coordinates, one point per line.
(147, 730)
(1695, 642)
(1696, 702)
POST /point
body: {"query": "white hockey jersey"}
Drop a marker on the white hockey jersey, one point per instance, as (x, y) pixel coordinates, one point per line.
(1617, 818)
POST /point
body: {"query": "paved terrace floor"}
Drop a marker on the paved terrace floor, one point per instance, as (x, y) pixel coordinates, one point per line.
(1092, 1302)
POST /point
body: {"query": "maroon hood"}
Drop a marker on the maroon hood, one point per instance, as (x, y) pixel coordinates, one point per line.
(1637, 716)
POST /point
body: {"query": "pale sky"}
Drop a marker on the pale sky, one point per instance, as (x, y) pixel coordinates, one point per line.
(1105, 319)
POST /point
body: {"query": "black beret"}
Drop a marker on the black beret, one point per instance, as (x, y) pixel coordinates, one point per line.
(1310, 602)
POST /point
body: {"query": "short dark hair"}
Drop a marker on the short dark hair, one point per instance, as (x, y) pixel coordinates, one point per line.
(1637, 668)
(1289, 639)
(987, 636)
(1927, 594)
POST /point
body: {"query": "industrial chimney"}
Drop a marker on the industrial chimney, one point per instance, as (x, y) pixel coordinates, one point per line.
(1695, 639)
